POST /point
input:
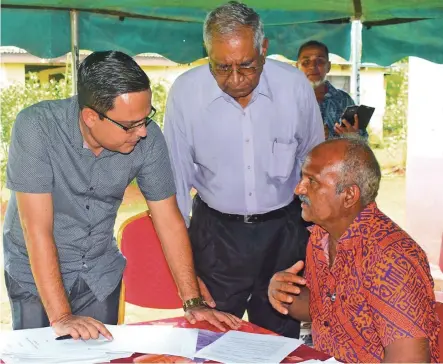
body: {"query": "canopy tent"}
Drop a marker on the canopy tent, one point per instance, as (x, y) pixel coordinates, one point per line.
(391, 29)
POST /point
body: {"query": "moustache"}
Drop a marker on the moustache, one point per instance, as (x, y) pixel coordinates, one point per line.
(304, 199)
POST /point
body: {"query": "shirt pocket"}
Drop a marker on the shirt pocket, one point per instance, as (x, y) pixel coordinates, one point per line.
(283, 158)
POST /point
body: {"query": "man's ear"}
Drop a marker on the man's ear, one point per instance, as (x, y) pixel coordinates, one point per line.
(265, 47)
(328, 67)
(352, 196)
(89, 117)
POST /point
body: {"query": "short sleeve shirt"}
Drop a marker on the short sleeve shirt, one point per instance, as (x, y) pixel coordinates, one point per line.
(378, 290)
(47, 155)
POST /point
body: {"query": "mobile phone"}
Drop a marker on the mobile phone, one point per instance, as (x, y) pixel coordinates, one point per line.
(363, 112)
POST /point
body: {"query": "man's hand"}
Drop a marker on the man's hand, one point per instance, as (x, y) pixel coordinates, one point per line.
(347, 128)
(80, 327)
(284, 285)
(205, 293)
(214, 317)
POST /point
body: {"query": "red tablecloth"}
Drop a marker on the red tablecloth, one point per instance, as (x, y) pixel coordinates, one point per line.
(301, 354)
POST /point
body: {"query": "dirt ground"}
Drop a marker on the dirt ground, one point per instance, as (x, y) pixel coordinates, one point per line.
(391, 200)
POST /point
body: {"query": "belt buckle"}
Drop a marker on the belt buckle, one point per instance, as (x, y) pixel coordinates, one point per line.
(246, 219)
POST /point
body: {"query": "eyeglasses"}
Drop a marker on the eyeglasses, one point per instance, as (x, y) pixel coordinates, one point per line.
(225, 71)
(138, 124)
(317, 61)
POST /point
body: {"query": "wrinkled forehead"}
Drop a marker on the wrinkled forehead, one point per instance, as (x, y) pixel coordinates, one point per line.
(320, 163)
(235, 47)
(313, 52)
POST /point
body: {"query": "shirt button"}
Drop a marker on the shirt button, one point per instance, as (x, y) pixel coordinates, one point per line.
(247, 140)
(83, 256)
(87, 207)
(326, 323)
(91, 188)
(249, 167)
(250, 193)
(89, 234)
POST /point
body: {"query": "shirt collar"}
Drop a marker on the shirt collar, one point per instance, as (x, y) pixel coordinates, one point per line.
(331, 90)
(74, 115)
(353, 229)
(263, 88)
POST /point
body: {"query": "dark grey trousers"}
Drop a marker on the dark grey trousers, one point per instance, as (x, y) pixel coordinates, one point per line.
(236, 261)
(28, 311)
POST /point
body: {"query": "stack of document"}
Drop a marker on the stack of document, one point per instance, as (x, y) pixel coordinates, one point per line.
(39, 345)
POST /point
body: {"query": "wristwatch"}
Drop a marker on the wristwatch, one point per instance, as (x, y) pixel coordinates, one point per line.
(193, 303)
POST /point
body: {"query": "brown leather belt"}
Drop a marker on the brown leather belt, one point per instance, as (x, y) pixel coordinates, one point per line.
(250, 219)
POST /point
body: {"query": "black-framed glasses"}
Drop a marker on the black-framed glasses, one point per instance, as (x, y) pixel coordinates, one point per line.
(226, 70)
(138, 124)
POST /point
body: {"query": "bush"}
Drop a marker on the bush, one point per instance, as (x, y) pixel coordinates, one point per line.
(395, 120)
(17, 97)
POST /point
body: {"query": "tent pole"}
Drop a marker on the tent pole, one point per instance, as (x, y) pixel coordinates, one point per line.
(356, 30)
(74, 49)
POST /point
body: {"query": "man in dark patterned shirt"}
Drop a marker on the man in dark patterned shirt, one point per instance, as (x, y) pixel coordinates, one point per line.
(313, 60)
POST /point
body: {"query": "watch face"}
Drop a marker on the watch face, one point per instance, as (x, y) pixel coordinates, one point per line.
(193, 302)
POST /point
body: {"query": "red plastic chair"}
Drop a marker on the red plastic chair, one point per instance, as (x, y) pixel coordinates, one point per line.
(147, 280)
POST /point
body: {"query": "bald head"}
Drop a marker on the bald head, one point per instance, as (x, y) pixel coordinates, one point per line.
(355, 163)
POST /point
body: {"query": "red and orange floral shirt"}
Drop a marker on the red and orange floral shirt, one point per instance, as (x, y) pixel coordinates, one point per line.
(378, 290)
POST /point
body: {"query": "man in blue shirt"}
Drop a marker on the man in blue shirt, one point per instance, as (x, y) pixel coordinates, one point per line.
(313, 60)
(238, 130)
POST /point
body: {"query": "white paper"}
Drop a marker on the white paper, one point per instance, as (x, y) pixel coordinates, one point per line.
(151, 339)
(243, 347)
(39, 345)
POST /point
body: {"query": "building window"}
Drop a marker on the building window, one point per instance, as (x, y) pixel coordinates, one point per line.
(340, 82)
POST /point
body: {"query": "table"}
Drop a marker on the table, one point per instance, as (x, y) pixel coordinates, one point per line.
(302, 353)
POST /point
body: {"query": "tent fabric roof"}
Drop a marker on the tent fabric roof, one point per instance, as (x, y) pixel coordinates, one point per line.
(173, 28)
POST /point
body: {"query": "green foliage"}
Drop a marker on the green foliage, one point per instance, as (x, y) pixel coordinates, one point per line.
(17, 97)
(395, 118)
(160, 89)
(396, 113)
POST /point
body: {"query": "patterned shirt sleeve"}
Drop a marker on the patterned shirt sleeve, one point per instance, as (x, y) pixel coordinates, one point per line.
(29, 169)
(401, 293)
(155, 179)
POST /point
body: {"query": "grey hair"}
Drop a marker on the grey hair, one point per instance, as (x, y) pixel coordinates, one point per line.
(359, 167)
(227, 19)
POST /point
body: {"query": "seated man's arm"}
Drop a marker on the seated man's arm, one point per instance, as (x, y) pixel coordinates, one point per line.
(410, 350)
(288, 294)
(36, 216)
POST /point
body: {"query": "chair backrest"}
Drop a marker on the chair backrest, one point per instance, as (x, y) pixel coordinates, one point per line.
(147, 279)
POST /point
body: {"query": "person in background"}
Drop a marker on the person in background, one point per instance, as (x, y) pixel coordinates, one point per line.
(367, 286)
(69, 164)
(238, 130)
(313, 60)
